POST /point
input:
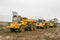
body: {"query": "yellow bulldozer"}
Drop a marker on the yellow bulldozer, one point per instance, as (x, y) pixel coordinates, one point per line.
(21, 24)
(41, 24)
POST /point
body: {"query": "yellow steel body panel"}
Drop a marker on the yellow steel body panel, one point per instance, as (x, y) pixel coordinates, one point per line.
(51, 24)
(14, 25)
(40, 24)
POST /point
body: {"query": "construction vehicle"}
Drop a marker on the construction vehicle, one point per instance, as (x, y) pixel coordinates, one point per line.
(51, 24)
(41, 24)
(21, 24)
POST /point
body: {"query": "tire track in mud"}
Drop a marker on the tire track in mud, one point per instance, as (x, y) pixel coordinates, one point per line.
(39, 34)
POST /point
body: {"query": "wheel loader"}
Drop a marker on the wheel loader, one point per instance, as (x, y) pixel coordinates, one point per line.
(41, 24)
(51, 24)
(21, 24)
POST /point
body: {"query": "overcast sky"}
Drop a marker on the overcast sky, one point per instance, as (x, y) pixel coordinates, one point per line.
(46, 9)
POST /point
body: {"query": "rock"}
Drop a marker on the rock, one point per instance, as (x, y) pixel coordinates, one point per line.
(51, 36)
(8, 37)
(0, 36)
(46, 34)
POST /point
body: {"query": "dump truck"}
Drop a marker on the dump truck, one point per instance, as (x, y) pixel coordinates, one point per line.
(21, 24)
(41, 24)
(51, 24)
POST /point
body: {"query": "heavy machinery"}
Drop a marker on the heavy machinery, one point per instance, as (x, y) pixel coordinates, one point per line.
(41, 23)
(51, 24)
(21, 24)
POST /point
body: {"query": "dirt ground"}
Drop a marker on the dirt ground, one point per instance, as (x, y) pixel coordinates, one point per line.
(39, 34)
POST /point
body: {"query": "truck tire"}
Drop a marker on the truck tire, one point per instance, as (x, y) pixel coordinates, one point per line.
(22, 28)
(33, 28)
(12, 30)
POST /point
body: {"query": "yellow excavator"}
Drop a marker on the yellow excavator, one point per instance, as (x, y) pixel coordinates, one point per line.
(21, 24)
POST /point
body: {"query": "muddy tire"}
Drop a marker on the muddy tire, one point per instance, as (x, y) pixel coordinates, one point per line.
(22, 28)
(12, 30)
(38, 27)
(33, 28)
(47, 27)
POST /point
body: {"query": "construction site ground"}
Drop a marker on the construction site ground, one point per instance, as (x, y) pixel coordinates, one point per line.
(39, 34)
